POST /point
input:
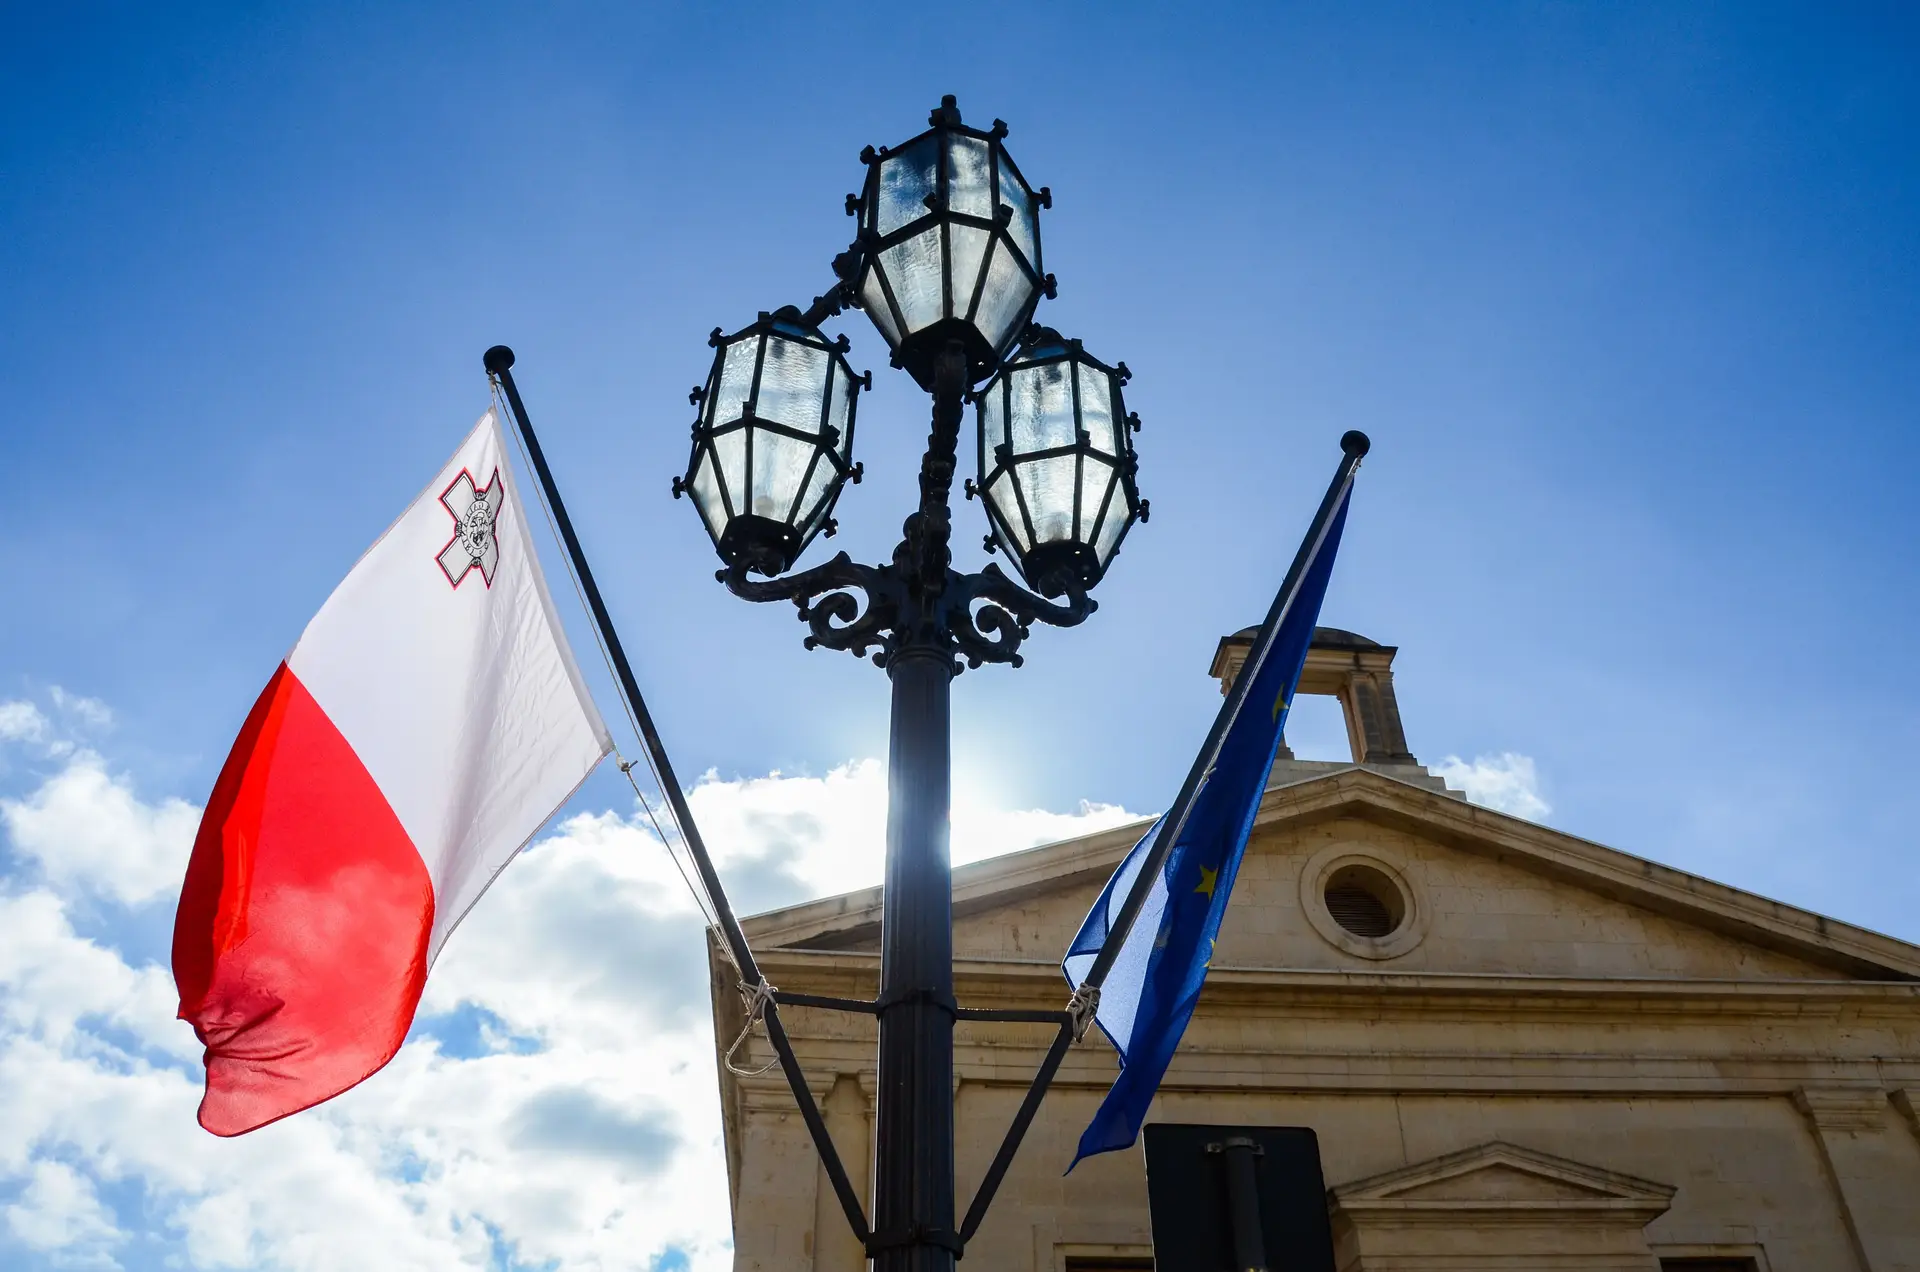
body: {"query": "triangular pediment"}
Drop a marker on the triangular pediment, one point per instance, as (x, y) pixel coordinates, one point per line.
(1506, 1177)
(1493, 895)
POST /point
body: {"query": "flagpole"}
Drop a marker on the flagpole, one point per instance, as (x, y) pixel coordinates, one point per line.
(1354, 445)
(499, 363)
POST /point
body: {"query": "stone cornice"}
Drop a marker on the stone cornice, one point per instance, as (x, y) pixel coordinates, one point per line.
(1371, 796)
(979, 886)
(1318, 1031)
(1033, 983)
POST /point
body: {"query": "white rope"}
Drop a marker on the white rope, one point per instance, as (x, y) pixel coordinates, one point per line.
(626, 771)
(757, 999)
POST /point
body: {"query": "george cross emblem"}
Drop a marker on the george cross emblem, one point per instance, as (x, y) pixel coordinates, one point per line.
(473, 546)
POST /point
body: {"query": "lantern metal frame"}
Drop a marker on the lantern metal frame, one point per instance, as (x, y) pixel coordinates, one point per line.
(770, 544)
(1082, 557)
(973, 230)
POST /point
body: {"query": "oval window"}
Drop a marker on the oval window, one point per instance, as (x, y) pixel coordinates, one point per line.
(1365, 902)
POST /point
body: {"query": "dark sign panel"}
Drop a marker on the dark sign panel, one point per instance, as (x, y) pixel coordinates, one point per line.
(1237, 1199)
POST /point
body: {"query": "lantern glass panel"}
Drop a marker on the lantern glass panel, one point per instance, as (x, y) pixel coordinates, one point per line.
(736, 382)
(779, 466)
(1095, 477)
(1024, 227)
(970, 177)
(913, 267)
(791, 382)
(907, 177)
(1111, 527)
(1041, 407)
(969, 245)
(1048, 486)
(1004, 298)
(706, 496)
(1096, 410)
(839, 404)
(730, 449)
(993, 416)
(1001, 495)
(813, 502)
(873, 299)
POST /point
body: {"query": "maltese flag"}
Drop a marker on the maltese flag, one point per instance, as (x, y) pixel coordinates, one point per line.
(429, 721)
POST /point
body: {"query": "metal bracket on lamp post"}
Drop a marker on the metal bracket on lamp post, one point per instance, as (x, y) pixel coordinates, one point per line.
(858, 607)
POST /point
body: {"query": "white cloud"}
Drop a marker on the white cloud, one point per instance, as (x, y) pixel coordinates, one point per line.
(60, 1210)
(780, 838)
(1507, 782)
(22, 722)
(85, 827)
(90, 712)
(557, 1105)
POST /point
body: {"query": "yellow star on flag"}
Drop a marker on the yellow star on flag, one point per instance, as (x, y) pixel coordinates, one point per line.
(1206, 880)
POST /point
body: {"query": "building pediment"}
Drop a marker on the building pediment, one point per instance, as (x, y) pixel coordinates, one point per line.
(1484, 893)
(1497, 1205)
(1502, 1178)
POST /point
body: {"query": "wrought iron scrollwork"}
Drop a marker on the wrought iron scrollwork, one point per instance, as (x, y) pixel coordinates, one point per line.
(845, 604)
(917, 602)
(1006, 614)
(981, 618)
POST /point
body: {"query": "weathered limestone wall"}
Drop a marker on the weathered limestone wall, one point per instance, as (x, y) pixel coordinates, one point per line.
(1750, 1177)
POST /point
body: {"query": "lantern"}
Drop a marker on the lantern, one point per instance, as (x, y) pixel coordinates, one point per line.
(774, 440)
(1057, 461)
(949, 245)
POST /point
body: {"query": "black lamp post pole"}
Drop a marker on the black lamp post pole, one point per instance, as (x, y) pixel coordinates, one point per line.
(913, 1133)
(923, 617)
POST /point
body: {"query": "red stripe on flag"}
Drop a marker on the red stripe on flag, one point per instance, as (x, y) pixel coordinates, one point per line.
(300, 944)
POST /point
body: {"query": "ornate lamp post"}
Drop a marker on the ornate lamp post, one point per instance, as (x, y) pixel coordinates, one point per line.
(947, 265)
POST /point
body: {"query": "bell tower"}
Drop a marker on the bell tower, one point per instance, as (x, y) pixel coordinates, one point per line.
(1357, 671)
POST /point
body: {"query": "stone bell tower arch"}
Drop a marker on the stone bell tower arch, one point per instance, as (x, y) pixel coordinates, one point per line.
(1343, 665)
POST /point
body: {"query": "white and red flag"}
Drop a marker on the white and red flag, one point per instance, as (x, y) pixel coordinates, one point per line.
(427, 723)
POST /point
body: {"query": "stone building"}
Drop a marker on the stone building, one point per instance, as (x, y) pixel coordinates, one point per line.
(1519, 1049)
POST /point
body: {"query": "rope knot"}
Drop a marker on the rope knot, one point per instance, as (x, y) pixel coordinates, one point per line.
(756, 999)
(1082, 1008)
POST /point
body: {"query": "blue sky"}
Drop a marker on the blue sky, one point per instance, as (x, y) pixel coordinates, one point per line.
(1628, 297)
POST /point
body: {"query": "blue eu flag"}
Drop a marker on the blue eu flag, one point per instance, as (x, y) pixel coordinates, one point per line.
(1154, 983)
